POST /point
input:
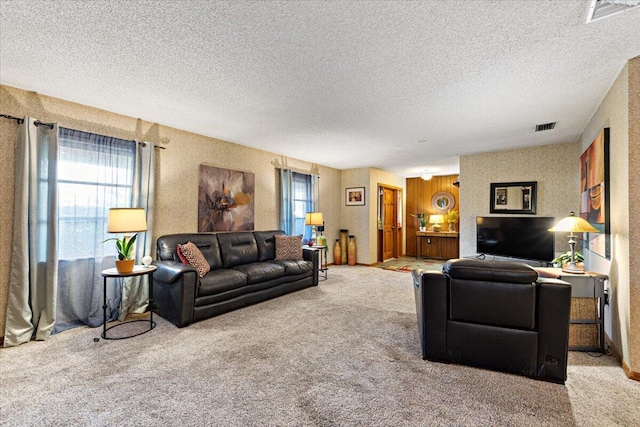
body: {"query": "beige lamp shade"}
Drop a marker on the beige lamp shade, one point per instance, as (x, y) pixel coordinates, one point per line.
(574, 224)
(436, 219)
(313, 218)
(126, 220)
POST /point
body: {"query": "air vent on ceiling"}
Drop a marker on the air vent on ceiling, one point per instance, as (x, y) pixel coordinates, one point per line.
(599, 9)
(546, 126)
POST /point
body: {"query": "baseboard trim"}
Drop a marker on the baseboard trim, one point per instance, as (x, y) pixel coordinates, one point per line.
(633, 375)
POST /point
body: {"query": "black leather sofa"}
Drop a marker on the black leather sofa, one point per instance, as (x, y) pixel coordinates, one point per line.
(495, 315)
(243, 272)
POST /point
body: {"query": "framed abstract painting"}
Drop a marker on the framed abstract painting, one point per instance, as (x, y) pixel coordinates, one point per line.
(595, 193)
(225, 199)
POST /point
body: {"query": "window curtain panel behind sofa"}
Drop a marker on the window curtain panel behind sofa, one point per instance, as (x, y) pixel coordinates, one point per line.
(135, 290)
(31, 307)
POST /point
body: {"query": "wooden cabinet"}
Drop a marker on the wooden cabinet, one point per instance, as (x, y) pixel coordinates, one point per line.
(437, 245)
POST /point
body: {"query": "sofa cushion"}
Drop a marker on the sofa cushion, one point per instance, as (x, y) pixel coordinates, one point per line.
(267, 244)
(288, 247)
(295, 267)
(195, 258)
(261, 271)
(237, 248)
(221, 280)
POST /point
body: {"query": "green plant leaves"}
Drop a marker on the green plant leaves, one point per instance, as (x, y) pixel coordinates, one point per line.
(124, 246)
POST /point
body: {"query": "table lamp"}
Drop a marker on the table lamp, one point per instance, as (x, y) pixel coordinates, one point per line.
(436, 220)
(313, 219)
(126, 220)
(573, 224)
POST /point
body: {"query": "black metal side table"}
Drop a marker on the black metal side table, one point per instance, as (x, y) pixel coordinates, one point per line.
(323, 267)
(138, 270)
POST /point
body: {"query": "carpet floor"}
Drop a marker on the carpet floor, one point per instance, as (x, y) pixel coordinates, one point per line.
(407, 264)
(344, 353)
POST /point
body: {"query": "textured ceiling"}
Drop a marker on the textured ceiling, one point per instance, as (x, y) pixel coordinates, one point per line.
(402, 86)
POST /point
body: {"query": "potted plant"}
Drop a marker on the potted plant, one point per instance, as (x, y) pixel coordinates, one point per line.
(124, 247)
(565, 259)
(422, 220)
(452, 218)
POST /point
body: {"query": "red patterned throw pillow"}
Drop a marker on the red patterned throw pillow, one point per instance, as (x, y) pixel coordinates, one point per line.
(195, 258)
(288, 247)
(183, 259)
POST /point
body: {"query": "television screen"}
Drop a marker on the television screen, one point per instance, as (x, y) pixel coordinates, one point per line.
(516, 237)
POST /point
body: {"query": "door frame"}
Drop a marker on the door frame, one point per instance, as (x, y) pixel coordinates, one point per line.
(399, 196)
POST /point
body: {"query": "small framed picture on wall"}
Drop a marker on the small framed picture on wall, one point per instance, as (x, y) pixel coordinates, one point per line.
(355, 196)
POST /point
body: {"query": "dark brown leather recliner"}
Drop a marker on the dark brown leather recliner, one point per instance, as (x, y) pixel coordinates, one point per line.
(496, 315)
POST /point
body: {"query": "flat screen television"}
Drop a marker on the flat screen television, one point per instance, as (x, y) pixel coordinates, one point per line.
(516, 237)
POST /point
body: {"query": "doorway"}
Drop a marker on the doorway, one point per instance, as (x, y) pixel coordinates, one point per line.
(389, 222)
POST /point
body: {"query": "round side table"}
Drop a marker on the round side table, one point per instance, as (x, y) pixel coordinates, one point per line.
(138, 270)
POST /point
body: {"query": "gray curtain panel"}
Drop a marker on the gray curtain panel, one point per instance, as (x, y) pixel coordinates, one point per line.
(31, 307)
(286, 201)
(135, 290)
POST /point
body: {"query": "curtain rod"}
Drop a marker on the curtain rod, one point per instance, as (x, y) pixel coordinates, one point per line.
(20, 121)
(17, 119)
(50, 125)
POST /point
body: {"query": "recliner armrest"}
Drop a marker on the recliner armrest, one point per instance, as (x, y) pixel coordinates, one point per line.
(430, 291)
(554, 308)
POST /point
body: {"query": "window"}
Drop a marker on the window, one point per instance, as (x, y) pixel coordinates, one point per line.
(95, 173)
(298, 195)
(301, 204)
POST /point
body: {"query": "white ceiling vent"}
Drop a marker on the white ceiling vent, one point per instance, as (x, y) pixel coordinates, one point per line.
(599, 9)
(546, 126)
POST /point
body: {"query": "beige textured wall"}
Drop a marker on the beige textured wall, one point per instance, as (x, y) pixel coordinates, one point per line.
(554, 167)
(620, 111)
(362, 221)
(357, 219)
(634, 212)
(177, 171)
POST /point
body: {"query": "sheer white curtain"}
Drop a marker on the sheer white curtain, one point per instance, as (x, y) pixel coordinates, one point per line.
(33, 276)
(97, 172)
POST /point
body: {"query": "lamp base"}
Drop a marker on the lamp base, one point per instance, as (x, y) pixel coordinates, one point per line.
(572, 268)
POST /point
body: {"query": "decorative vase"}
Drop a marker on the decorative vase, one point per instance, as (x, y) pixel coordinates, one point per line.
(452, 227)
(344, 234)
(352, 250)
(337, 253)
(125, 266)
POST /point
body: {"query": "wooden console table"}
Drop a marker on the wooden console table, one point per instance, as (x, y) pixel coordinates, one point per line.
(440, 244)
